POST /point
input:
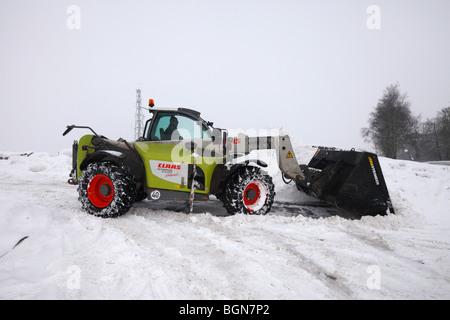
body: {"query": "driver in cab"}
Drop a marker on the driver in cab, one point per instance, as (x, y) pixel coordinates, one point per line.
(171, 133)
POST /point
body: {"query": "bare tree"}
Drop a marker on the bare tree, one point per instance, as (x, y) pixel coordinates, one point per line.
(429, 141)
(391, 124)
(443, 132)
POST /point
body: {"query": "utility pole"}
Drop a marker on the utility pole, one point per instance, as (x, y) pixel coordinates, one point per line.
(139, 117)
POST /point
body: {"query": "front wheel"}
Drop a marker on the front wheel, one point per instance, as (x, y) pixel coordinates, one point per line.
(249, 191)
(106, 190)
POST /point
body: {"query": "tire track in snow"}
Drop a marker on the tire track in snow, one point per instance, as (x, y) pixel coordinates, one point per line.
(215, 261)
(327, 278)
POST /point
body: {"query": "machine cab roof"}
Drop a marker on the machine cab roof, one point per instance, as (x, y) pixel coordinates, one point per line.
(176, 124)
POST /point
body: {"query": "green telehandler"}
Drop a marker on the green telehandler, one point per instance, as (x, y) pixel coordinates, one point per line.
(180, 156)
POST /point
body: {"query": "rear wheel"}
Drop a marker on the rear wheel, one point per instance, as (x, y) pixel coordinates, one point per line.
(249, 191)
(106, 190)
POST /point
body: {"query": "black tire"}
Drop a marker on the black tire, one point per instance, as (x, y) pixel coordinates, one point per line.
(106, 189)
(249, 191)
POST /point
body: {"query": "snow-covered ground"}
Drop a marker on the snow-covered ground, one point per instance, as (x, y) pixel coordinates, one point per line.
(156, 251)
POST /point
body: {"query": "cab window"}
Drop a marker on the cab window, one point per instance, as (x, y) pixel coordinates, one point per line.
(174, 126)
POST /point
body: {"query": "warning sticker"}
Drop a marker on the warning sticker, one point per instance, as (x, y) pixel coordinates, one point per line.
(375, 176)
(289, 155)
(169, 171)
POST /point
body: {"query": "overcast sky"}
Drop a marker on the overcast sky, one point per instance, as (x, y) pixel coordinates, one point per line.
(314, 68)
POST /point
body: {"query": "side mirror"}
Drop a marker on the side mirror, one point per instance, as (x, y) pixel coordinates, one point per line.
(216, 136)
(69, 128)
(224, 141)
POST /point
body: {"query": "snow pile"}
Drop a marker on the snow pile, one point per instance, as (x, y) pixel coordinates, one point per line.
(419, 189)
(51, 249)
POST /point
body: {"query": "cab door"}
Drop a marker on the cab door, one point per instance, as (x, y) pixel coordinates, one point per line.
(167, 160)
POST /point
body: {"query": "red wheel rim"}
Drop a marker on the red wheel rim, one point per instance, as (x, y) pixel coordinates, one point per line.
(255, 195)
(100, 191)
(251, 194)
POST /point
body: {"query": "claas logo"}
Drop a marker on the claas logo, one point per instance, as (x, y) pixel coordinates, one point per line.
(169, 166)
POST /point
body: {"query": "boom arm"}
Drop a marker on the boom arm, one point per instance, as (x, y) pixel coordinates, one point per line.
(287, 161)
(349, 180)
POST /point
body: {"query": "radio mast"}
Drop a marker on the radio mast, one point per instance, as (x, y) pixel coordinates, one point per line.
(139, 117)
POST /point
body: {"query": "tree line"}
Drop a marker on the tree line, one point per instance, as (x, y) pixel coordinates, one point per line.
(396, 132)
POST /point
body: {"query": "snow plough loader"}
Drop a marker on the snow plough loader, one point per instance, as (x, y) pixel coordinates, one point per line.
(180, 156)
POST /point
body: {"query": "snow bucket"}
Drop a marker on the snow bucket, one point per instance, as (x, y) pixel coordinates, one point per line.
(348, 180)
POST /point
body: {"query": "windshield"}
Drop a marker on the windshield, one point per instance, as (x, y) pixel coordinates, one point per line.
(175, 126)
